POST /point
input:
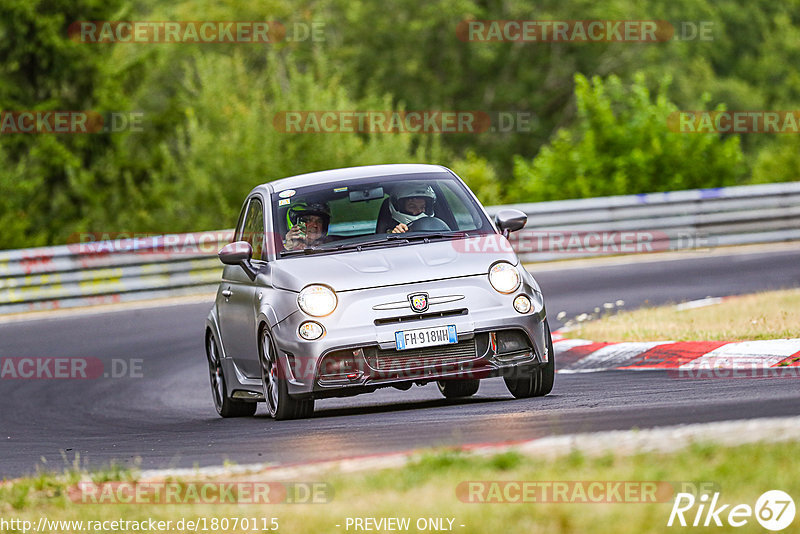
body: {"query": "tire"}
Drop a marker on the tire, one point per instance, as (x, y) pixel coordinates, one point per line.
(538, 382)
(280, 405)
(225, 406)
(454, 389)
(523, 386)
(547, 374)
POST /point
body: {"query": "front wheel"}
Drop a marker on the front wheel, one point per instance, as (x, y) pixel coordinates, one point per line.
(454, 389)
(538, 382)
(280, 404)
(547, 374)
(226, 407)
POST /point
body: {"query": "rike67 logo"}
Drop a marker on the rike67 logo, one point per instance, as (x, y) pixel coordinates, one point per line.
(774, 510)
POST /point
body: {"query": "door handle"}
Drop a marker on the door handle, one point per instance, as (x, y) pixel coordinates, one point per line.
(227, 293)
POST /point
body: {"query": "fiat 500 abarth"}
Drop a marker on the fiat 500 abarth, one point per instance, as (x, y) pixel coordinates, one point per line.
(345, 281)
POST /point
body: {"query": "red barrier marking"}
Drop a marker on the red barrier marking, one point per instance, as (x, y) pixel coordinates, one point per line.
(673, 355)
(791, 361)
(570, 357)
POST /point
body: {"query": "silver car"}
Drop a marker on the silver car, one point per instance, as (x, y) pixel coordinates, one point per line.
(344, 281)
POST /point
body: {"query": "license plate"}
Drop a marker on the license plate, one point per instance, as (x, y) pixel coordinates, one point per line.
(426, 337)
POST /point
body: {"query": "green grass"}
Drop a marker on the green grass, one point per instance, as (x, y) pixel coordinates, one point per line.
(768, 315)
(427, 488)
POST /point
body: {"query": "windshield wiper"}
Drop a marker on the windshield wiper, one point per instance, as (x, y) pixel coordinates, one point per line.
(399, 239)
(308, 250)
(394, 238)
(402, 238)
(416, 236)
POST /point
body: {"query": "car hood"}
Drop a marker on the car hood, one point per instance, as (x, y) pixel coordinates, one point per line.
(403, 264)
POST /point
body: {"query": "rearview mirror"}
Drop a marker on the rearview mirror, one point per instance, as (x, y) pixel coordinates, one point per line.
(366, 194)
(239, 253)
(510, 220)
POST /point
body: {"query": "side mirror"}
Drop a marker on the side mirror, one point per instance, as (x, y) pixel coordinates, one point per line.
(239, 253)
(510, 220)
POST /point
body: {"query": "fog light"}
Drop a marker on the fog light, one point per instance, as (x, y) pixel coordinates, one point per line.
(522, 304)
(511, 341)
(339, 365)
(311, 330)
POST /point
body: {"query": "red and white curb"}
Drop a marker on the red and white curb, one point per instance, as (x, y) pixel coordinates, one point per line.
(580, 355)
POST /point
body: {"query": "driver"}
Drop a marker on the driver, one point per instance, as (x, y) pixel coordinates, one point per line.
(308, 225)
(411, 202)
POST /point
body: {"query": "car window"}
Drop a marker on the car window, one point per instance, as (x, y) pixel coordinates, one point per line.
(254, 228)
(466, 215)
(237, 234)
(354, 218)
(366, 209)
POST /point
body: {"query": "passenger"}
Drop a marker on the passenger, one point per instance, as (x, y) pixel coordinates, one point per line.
(308, 225)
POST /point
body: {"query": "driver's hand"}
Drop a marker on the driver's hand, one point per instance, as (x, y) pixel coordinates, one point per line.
(399, 229)
(294, 239)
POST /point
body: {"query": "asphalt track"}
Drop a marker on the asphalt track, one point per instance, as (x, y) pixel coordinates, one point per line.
(165, 418)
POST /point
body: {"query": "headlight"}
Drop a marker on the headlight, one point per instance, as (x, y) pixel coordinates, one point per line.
(504, 277)
(317, 300)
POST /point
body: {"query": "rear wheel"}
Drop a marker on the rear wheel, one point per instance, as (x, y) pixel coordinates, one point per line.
(539, 381)
(226, 407)
(280, 404)
(454, 389)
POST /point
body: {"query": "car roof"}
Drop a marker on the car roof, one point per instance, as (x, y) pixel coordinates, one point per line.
(350, 173)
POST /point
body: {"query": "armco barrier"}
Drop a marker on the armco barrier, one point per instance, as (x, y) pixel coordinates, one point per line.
(700, 218)
(83, 274)
(123, 270)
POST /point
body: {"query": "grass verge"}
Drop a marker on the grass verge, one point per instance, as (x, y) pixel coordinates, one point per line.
(769, 315)
(427, 489)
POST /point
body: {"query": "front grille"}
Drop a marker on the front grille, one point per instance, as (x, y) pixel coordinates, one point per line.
(420, 316)
(393, 360)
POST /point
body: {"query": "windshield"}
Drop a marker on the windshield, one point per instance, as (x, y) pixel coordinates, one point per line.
(375, 212)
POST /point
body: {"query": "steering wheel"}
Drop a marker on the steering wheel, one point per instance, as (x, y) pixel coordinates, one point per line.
(428, 224)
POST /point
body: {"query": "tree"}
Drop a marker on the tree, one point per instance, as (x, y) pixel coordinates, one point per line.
(43, 70)
(621, 144)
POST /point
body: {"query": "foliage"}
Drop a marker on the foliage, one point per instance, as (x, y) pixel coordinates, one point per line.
(779, 161)
(228, 142)
(208, 136)
(480, 176)
(620, 143)
(43, 70)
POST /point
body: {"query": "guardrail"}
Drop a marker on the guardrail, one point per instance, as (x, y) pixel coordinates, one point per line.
(118, 270)
(83, 274)
(676, 220)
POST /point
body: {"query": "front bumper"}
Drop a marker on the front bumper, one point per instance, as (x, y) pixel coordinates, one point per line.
(364, 324)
